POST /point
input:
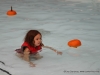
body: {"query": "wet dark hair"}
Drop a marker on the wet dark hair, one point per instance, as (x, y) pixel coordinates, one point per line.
(29, 38)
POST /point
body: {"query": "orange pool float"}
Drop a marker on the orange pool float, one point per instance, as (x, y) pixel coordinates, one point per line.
(74, 43)
(11, 12)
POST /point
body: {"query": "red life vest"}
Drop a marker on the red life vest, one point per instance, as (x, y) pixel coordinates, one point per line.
(32, 49)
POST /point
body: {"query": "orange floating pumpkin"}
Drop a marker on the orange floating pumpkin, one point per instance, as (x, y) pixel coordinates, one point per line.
(74, 43)
(11, 12)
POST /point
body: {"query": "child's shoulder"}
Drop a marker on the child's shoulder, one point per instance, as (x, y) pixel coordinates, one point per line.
(25, 44)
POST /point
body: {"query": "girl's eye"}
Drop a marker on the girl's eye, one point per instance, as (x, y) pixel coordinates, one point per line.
(38, 39)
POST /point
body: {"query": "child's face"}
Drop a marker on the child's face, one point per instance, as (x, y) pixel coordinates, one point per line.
(37, 40)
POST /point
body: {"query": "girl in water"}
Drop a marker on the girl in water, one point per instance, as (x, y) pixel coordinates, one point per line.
(31, 46)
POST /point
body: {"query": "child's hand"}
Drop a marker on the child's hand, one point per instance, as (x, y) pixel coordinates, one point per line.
(32, 65)
(58, 52)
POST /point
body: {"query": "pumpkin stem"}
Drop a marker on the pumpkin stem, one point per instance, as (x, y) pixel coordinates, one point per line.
(11, 8)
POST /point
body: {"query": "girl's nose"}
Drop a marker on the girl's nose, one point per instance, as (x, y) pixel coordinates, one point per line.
(40, 40)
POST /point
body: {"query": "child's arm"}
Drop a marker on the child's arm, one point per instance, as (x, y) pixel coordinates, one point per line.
(26, 57)
(58, 52)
